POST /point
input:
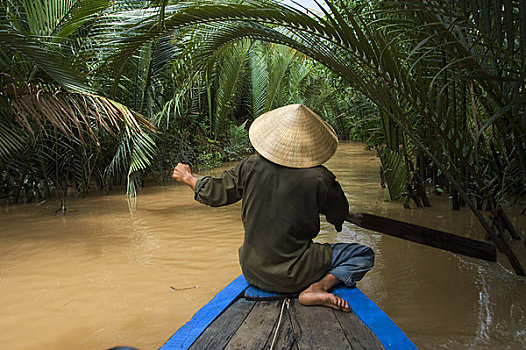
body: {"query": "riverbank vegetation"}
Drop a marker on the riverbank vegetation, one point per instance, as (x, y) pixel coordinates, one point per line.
(76, 117)
(98, 93)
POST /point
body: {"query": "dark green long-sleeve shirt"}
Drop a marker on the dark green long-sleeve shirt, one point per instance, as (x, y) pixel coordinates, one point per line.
(280, 213)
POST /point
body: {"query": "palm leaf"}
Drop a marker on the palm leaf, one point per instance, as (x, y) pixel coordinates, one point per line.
(71, 112)
(133, 154)
(10, 140)
(259, 78)
(77, 15)
(395, 172)
(51, 63)
(231, 67)
(280, 61)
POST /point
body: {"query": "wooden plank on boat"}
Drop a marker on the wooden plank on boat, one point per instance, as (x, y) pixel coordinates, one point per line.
(313, 327)
(255, 331)
(317, 327)
(218, 334)
(286, 339)
(359, 336)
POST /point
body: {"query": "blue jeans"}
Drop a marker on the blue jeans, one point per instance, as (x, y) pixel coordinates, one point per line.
(350, 262)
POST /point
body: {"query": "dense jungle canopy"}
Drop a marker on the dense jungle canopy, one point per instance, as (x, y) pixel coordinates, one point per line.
(102, 93)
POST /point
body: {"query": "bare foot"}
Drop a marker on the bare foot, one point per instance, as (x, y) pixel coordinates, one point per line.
(311, 296)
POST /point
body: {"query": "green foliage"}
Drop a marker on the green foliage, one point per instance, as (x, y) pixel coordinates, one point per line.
(53, 118)
(395, 172)
(210, 159)
(238, 143)
(231, 67)
(443, 79)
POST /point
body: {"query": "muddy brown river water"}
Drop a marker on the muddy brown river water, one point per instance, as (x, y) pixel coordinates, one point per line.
(107, 275)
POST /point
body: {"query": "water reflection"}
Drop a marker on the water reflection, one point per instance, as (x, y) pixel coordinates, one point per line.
(103, 275)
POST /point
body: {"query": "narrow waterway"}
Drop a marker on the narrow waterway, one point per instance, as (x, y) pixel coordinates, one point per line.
(105, 275)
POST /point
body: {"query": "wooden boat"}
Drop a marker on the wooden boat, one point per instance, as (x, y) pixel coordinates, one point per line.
(244, 317)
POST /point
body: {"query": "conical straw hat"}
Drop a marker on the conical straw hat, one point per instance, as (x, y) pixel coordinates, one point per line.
(293, 136)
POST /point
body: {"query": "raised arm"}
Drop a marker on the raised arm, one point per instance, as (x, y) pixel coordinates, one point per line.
(183, 173)
(213, 191)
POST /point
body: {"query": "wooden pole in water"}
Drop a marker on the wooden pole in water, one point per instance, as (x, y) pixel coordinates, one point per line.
(423, 235)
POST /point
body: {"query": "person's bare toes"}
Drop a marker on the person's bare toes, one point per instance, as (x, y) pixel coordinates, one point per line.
(317, 297)
(342, 303)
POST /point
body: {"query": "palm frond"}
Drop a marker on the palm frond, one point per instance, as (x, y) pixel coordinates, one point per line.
(35, 105)
(278, 67)
(230, 68)
(10, 139)
(133, 155)
(395, 172)
(50, 62)
(259, 78)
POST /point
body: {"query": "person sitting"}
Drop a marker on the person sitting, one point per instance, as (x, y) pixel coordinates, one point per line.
(284, 188)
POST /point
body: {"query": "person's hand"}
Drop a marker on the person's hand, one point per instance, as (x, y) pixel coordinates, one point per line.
(183, 173)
